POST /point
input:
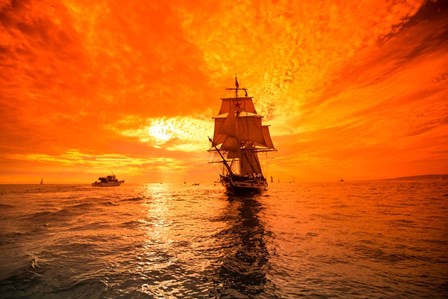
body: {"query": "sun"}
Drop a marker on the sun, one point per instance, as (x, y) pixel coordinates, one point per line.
(160, 131)
(184, 133)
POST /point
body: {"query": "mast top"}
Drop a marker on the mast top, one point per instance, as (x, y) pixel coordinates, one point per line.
(237, 87)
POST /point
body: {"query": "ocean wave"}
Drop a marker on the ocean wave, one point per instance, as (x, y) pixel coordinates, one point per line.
(85, 288)
(82, 205)
(133, 199)
(96, 225)
(110, 204)
(19, 283)
(5, 206)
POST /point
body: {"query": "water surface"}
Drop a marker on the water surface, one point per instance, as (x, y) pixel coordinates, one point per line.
(378, 239)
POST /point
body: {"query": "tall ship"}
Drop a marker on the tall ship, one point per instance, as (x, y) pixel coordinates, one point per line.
(107, 181)
(239, 136)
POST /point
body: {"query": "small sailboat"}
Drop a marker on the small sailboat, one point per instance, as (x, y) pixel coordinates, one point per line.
(238, 138)
(42, 181)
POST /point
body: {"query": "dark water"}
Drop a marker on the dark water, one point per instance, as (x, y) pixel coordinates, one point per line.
(383, 239)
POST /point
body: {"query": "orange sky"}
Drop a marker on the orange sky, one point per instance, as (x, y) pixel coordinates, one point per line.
(352, 89)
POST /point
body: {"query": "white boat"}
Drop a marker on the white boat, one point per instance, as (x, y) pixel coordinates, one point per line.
(107, 181)
(238, 138)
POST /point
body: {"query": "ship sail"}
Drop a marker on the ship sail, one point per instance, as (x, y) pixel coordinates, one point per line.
(238, 127)
(239, 135)
(249, 163)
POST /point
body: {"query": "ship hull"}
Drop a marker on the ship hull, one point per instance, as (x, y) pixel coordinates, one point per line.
(108, 184)
(240, 185)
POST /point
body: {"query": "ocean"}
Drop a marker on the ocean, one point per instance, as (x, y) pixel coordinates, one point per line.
(369, 239)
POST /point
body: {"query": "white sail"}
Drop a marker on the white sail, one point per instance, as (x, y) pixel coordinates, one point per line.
(267, 138)
(244, 104)
(231, 144)
(249, 163)
(219, 136)
(247, 129)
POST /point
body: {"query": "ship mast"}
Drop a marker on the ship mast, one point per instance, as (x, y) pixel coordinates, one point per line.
(237, 87)
(239, 133)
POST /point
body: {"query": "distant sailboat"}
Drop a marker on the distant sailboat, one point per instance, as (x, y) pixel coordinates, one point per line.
(238, 138)
(42, 181)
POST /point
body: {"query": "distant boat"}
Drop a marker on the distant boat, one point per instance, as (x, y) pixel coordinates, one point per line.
(195, 184)
(108, 181)
(238, 138)
(341, 180)
(42, 181)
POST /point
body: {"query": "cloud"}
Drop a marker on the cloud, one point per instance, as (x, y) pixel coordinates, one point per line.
(99, 162)
(181, 133)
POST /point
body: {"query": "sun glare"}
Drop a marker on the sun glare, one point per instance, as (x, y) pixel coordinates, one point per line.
(160, 131)
(185, 134)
